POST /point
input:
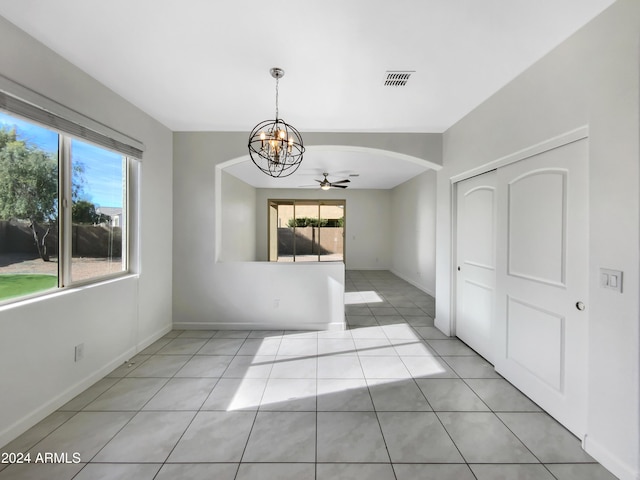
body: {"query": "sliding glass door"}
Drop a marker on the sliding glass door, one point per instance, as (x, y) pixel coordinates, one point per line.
(331, 232)
(306, 230)
(307, 221)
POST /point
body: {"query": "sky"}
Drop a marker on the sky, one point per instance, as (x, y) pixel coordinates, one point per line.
(102, 168)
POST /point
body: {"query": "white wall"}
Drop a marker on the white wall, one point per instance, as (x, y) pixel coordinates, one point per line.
(425, 146)
(37, 338)
(269, 295)
(367, 226)
(198, 277)
(413, 231)
(195, 156)
(591, 79)
(238, 236)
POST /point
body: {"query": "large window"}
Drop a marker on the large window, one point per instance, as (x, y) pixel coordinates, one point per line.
(306, 230)
(63, 210)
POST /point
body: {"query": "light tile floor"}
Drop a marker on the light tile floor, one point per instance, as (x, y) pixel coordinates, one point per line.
(391, 398)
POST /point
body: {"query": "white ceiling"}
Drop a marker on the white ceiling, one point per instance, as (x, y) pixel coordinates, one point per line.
(203, 65)
(364, 169)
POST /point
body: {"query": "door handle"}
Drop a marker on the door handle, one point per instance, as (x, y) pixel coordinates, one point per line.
(580, 306)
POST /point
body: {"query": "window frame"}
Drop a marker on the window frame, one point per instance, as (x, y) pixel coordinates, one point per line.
(65, 209)
(131, 186)
(306, 201)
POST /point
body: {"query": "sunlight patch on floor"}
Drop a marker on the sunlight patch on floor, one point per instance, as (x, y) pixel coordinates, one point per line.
(299, 392)
(355, 298)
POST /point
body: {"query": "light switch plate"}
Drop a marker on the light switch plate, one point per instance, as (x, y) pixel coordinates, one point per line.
(611, 279)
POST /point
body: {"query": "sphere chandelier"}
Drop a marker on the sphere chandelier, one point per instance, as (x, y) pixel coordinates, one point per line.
(275, 147)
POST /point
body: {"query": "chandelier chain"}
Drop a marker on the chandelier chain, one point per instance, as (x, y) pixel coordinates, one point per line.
(277, 84)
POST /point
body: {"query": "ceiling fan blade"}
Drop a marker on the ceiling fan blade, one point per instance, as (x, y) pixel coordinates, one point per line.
(319, 181)
(346, 180)
(333, 185)
(307, 186)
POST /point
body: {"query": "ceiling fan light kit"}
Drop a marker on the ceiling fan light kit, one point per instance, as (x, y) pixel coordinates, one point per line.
(325, 184)
(275, 146)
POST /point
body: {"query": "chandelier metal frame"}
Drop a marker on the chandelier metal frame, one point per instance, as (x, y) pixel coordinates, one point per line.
(276, 147)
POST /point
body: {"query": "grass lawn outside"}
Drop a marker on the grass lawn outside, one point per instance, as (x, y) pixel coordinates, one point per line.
(17, 285)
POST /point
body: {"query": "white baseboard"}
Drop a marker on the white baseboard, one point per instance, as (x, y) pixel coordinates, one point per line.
(412, 282)
(26, 422)
(609, 461)
(257, 326)
(152, 338)
(444, 328)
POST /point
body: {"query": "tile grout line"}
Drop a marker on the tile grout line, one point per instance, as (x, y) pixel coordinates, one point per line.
(375, 412)
(75, 413)
(258, 410)
(315, 470)
(142, 407)
(380, 280)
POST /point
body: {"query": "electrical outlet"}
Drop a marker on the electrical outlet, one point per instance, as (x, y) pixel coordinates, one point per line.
(79, 352)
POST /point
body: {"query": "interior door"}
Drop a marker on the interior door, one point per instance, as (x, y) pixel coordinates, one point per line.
(476, 264)
(542, 280)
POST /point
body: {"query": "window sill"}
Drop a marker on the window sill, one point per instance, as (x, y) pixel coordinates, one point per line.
(45, 295)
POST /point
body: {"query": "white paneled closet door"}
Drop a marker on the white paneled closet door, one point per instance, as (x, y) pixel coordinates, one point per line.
(476, 263)
(542, 280)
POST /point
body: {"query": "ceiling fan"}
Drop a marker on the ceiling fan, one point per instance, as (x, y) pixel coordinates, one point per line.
(325, 184)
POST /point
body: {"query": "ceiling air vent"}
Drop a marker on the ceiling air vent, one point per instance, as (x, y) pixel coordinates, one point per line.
(397, 78)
